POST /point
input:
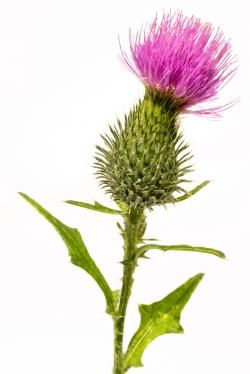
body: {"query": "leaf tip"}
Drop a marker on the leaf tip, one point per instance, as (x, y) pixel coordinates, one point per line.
(180, 330)
(207, 181)
(200, 276)
(24, 196)
(196, 279)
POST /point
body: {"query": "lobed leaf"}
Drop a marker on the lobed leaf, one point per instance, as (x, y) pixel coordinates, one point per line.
(77, 251)
(192, 192)
(159, 318)
(179, 247)
(96, 206)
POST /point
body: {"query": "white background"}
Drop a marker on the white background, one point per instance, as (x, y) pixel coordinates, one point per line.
(61, 83)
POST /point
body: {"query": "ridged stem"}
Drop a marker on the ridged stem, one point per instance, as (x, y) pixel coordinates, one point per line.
(134, 227)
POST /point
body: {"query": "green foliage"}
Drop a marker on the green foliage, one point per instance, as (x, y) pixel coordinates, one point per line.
(96, 206)
(159, 318)
(179, 247)
(78, 252)
(192, 192)
(144, 161)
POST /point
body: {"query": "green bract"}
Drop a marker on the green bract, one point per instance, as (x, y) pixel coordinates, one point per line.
(144, 160)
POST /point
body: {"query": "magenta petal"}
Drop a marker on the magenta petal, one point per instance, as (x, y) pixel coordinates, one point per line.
(184, 56)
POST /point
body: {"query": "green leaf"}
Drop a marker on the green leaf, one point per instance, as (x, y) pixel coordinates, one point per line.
(159, 318)
(77, 251)
(192, 192)
(179, 247)
(96, 206)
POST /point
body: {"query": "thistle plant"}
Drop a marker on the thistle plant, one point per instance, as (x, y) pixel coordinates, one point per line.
(143, 161)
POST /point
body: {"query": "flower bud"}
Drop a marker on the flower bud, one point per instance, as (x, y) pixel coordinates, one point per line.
(143, 161)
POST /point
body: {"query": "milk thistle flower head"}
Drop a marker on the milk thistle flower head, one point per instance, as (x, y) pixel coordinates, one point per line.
(183, 59)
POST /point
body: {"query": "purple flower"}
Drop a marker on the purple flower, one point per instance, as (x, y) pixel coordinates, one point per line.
(184, 58)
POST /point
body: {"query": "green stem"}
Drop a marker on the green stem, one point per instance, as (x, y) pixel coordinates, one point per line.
(134, 227)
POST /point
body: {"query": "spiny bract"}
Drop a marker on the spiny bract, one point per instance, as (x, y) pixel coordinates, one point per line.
(143, 161)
